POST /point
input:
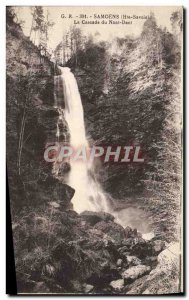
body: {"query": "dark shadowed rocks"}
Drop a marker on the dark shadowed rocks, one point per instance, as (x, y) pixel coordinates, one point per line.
(129, 232)
(58, 191)
(141, 248)
(66, 252)
(114, 230)
(94, 217)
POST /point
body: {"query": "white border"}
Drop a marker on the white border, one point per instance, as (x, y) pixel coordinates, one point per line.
(3, 3)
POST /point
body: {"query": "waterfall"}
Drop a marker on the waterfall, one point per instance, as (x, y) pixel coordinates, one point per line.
(88, 193)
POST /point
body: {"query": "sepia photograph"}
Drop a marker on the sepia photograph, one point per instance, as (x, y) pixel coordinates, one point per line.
(94, 149)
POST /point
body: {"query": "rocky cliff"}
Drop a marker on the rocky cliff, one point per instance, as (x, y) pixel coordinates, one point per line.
(31, 123)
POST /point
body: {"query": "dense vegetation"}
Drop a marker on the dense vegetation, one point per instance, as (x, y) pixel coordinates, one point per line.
(131, 95)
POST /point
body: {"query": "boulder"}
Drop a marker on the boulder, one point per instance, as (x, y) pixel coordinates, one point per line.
(119, 262)
(164, 279)
(133, 260)
(148, 236)
(114, 230)
(123, 251)
(129, 242)
(87, 288)
(142, 248)
(129, 232)
(117, 284)
(135, 272)
(94, 217)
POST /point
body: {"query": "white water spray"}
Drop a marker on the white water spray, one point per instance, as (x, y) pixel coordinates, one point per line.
(88, 194)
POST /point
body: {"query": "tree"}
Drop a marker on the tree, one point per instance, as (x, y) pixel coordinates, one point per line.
(40, 26)
(177, 24)
(76, 41)
(37, 22)
(44, 34)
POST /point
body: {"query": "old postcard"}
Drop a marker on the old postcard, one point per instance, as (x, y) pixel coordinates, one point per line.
(94, 149)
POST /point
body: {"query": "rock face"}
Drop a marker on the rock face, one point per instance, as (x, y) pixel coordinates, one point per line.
(31, 124)
(26, 52)
(170, 256)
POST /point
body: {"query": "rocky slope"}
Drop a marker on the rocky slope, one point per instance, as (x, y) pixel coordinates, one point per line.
(63, 252)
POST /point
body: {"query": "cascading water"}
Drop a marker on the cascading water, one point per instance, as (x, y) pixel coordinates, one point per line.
(88, 194)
